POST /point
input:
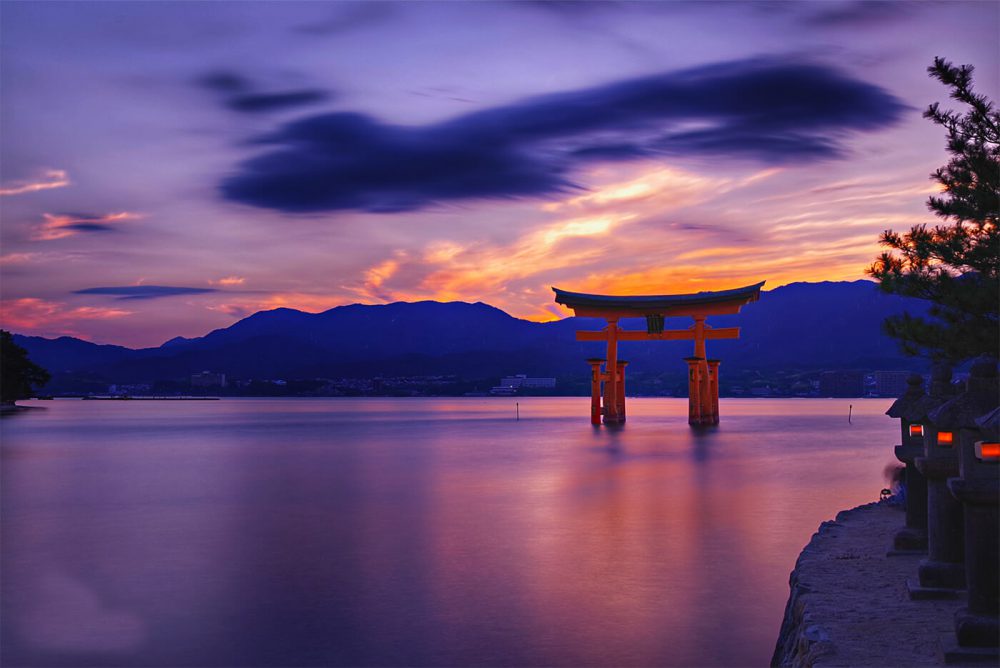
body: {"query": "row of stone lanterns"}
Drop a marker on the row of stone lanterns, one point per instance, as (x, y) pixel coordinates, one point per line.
(951, 451)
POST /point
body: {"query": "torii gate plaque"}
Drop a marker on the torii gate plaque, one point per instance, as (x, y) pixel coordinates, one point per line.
(703, 373)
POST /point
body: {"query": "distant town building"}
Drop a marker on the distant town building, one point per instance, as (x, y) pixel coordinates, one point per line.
(890, 383)
(841, 384)
(120, 390)
(509, 385)
(521, 380)
(208, 379)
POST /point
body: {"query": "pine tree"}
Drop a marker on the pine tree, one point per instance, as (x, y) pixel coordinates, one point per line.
(953, 265)
(18, 374)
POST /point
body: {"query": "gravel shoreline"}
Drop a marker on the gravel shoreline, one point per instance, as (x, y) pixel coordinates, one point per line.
(849, 604)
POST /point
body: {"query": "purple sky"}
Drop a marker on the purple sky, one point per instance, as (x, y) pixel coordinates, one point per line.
(168, 168)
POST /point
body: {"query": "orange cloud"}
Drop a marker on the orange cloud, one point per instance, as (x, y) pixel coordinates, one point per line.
(54, 178)
(376, 276)
(30, 314)
(657, 230)
(230, 280)
(17, 258)
(666, 187)
(833, 261)
(300, 301)
(582, 231)
(476, 270)
(61, 225)
(305, 302)
(592, 228)
(714, 252)
(234, 310)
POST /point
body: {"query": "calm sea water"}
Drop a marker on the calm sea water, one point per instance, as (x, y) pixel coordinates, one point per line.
(251, 532)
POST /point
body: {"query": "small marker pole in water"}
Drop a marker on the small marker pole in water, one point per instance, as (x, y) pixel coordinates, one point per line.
(517, 410)
(850, 409)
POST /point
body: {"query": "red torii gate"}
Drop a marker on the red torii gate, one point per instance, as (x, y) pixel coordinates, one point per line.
(703, 373)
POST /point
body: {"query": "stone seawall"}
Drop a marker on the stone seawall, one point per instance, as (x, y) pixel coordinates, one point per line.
(848, 604)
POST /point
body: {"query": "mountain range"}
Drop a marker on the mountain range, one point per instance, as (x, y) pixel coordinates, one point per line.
(802, 326)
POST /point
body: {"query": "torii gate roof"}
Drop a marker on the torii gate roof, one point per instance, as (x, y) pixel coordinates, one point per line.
(720, 301)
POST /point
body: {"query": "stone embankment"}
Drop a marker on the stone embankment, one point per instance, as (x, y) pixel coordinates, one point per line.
(849, 605)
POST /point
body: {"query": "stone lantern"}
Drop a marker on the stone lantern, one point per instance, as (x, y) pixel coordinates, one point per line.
(973, 416)
(916, 414)
(942, 573)
(913, 536)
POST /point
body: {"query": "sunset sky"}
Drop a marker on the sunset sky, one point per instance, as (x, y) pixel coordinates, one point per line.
(168, 168)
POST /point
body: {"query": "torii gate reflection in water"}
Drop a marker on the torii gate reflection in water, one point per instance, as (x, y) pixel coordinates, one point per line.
(703, 373)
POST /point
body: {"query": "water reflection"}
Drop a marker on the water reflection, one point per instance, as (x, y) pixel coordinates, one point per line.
(417, 532)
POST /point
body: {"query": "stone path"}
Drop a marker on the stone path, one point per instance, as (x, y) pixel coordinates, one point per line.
(849, 604)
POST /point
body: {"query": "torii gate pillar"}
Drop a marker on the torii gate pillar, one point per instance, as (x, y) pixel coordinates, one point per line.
(595, 389)
(703, 391)
(713, 388)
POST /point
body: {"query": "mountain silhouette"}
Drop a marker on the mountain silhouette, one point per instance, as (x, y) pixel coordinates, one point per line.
(830, 325)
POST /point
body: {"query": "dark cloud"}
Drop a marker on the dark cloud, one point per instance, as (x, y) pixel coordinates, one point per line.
(144, 291)
(239, 93)
(224, 82)
(89, 227)
(257, 102)
(575, 8)
(352, 16)
(760, 110)
(76, 215)
(861, 13)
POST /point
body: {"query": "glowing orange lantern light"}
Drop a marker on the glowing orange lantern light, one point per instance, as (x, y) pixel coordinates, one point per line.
(987, 451)
(916, 430)
(945, 438)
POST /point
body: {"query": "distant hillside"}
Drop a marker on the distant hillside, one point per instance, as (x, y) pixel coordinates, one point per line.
(798, 326)
(67, 354)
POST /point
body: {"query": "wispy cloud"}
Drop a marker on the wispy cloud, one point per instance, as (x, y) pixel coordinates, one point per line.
(855, 14)
(229, 281)
(53, 178)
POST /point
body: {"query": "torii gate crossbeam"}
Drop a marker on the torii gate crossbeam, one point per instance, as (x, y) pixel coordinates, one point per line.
(608, 386)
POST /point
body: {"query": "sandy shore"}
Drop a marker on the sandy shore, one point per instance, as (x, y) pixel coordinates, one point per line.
(849, 605)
